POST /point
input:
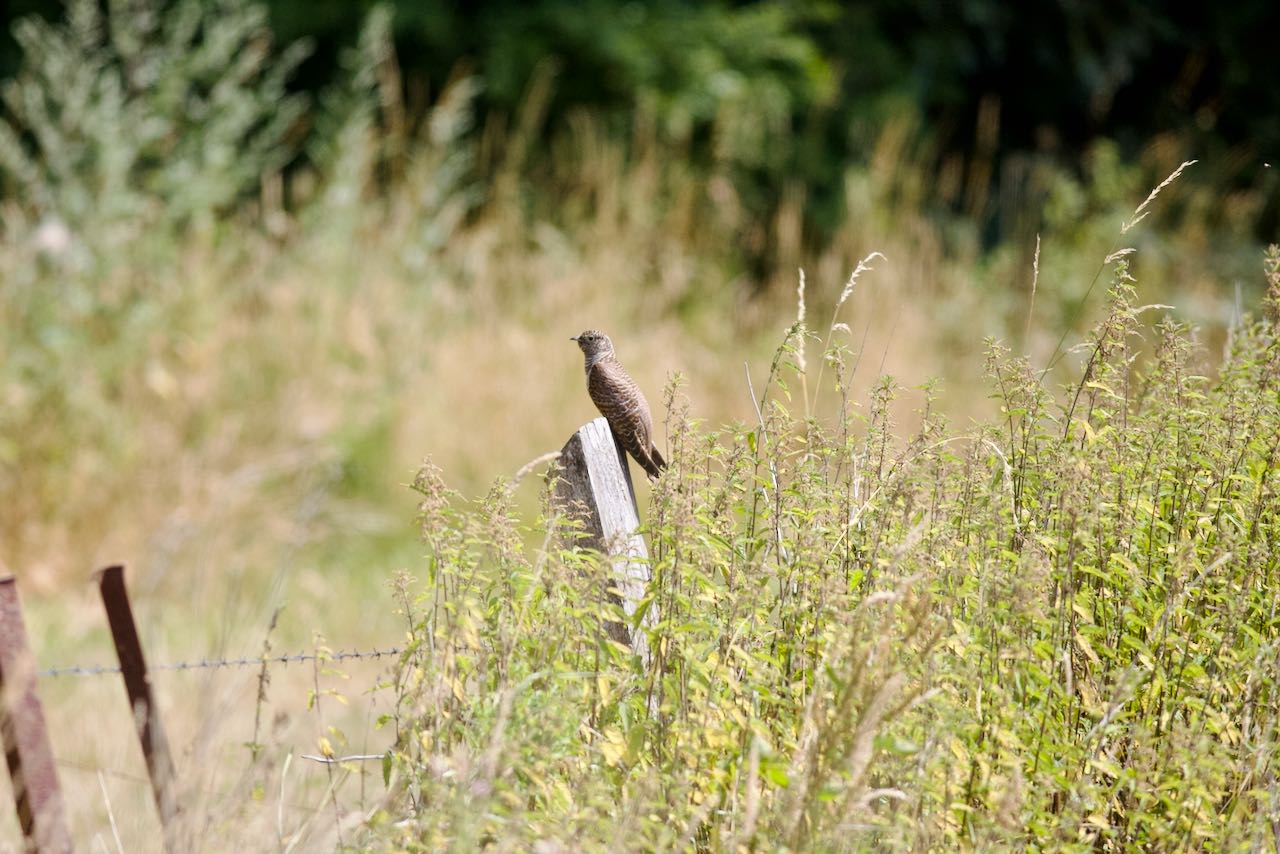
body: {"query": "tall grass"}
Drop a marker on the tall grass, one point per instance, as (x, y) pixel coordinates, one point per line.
(1057, 628)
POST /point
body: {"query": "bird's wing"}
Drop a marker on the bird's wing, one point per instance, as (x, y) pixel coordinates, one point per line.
(618, 397)
(623, 405)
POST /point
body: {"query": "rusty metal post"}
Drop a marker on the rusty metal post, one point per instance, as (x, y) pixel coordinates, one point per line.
(146, 717)
(26, 738)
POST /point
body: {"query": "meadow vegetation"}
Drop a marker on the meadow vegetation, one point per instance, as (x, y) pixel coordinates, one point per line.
(1030, 603)
(1056, 628)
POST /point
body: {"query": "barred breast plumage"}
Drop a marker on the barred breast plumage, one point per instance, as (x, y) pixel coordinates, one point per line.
(620, 401)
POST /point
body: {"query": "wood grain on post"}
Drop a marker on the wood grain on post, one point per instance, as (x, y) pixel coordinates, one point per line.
(595, 484)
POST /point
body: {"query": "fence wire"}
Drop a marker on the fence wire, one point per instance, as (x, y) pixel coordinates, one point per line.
(225, 663)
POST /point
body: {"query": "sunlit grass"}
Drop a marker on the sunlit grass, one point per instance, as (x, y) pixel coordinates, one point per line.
(1053, 628)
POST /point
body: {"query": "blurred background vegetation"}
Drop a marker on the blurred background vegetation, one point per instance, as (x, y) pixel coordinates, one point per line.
(789, 94)
(259, 258)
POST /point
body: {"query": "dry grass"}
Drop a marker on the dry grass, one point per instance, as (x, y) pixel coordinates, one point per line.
(230, 801)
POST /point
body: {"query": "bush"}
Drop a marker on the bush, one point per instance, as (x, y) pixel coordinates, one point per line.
(146, 114)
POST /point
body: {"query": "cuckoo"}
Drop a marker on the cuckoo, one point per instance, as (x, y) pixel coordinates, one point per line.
(620, 401)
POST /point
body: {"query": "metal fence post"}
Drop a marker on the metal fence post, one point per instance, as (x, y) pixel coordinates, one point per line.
(137, 683)
(26, 738)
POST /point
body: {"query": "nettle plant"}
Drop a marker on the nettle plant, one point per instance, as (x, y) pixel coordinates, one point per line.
(1059, 628)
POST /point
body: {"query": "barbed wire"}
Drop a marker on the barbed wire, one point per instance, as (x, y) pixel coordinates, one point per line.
(224, 663)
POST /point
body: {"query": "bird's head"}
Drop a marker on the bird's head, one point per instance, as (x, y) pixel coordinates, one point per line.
(595, 345)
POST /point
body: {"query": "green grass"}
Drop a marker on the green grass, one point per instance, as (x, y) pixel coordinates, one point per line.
(1057, 629)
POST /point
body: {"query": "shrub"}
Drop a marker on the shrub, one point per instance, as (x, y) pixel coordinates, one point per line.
(146, 113)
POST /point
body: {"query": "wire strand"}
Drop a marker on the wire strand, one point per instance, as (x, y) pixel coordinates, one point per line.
(223, 663)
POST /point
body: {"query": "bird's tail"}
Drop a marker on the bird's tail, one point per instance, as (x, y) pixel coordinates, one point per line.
(654, 463)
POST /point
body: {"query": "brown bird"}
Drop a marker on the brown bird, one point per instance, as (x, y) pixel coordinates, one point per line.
(620, 400)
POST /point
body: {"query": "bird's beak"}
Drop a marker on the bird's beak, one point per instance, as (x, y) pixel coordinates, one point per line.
(573, 337)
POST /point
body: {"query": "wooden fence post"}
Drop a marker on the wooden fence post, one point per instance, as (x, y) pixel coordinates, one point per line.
(26, 738)
(595, 482)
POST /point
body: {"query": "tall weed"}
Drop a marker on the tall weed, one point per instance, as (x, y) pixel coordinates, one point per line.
(1058, 628)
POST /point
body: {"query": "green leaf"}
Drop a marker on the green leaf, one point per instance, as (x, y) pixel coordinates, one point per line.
(775, 772)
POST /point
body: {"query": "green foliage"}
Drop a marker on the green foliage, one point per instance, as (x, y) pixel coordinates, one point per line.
(691, 66)
(1058, 629)
(145, 113)
(785, 97)
(362, 142)
(829, 75)
(134, 141)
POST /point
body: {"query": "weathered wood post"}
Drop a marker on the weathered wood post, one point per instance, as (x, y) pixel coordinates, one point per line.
(595, 483)
(26, 738)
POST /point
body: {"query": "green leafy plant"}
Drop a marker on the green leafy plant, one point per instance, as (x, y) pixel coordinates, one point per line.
(144, 113)
(1057, 629)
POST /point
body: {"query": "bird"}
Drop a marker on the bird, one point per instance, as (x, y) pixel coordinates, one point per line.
(620, 400)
